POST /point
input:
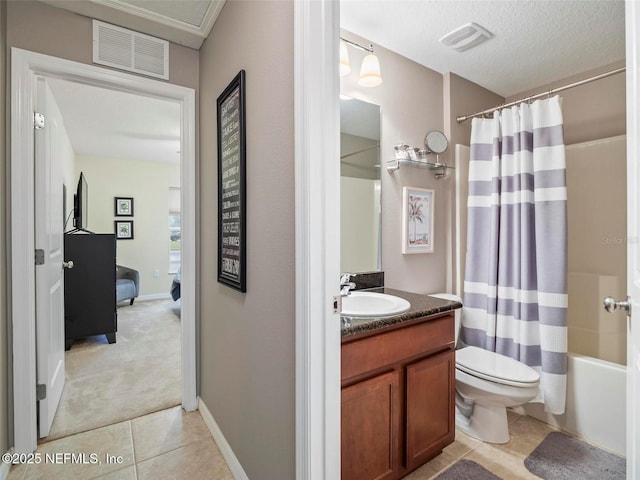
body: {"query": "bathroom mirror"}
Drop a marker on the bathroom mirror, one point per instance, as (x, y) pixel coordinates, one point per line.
(359, 186)
(436, 142)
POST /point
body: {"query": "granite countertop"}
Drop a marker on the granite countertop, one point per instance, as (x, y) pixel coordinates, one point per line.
(421, 306)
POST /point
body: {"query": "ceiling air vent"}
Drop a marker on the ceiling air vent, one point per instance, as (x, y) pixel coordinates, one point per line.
(128, 50)
(466, 37)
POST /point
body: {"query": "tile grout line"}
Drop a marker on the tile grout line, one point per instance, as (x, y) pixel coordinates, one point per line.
(179, 447)
(133, 450)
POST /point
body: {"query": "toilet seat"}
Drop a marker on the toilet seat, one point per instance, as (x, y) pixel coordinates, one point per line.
(504, 370)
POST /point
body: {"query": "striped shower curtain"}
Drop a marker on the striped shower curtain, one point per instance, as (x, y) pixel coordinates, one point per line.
(515, 288)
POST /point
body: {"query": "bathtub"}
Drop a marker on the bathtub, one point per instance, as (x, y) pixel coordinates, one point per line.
(596, 403)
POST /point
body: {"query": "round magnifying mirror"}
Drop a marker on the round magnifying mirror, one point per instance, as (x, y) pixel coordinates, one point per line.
(436, 142)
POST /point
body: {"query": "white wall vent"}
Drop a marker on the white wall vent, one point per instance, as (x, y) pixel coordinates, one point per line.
(128, 50)
(465, 37)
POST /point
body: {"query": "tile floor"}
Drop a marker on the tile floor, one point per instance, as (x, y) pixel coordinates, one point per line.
(505, 461)
(167, 444)
(173, 444)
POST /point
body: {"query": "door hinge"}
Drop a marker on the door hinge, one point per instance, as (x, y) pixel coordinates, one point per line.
(41, 392)
(38, 121)
(39, 256)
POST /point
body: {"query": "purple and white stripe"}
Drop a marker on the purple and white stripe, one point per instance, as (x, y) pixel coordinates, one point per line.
(516, 269)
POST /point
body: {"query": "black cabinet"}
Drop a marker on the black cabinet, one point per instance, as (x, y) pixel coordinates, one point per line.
(90, 286)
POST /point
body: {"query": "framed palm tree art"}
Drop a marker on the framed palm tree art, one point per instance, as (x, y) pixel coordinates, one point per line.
(417, 220)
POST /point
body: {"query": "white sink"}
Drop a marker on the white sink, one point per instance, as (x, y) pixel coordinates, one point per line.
(370, 304)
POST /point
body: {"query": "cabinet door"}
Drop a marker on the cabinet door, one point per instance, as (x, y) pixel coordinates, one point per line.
(430, 407)
(371, 428)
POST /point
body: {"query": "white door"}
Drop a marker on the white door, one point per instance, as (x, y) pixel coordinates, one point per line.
(49, 230)
(633, 245)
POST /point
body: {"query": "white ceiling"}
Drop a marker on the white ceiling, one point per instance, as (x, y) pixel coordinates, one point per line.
(112, 124)
(535, 42)
(185, 22)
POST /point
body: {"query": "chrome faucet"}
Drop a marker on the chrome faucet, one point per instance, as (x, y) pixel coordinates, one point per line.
(345, 284)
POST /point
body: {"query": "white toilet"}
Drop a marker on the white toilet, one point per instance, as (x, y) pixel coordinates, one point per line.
(486, 384)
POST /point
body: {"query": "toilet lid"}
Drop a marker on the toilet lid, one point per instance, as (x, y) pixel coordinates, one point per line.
(495, 367)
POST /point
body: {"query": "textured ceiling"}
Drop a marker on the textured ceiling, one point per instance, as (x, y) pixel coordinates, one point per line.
(112, 124)
(534, 43)
(191, 11)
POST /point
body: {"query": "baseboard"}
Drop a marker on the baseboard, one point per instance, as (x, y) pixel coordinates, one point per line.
(234, 465)
(153, 296)
(4, 469)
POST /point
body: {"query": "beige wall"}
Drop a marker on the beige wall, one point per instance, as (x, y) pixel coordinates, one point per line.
(247, 340)
(461, 97)
(44, 29)
(411, 101)
(4, 360)
(148, 183)
(591, 111)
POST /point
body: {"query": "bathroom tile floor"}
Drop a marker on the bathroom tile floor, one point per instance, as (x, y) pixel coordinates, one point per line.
(170, 444)
(174, 444)
(506, 461)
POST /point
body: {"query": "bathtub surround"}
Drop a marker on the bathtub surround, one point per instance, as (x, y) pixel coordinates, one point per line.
(515, 281)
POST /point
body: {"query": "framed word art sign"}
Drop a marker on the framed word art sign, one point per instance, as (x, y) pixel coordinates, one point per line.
(232, 208)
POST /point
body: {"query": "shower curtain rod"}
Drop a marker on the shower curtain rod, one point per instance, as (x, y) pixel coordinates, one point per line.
(550, 92)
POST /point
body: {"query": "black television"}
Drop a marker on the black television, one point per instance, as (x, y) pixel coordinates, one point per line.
(81, 204)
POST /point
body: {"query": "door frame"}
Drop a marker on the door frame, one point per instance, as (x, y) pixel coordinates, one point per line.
(25, 67)
(317, 238)
(632, 40)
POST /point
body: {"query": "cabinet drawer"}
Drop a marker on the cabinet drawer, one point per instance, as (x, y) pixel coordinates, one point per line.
(374, 352)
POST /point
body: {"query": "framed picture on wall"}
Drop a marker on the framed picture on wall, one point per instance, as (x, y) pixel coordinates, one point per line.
(124, 229)
(232, 191)
(124, 206)
(417, 220)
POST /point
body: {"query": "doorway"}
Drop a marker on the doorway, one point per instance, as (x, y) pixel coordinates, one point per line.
(26, 67)
(126, 150)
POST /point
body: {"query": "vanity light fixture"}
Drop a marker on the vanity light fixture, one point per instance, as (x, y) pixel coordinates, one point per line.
(345, 68)
(370, 69)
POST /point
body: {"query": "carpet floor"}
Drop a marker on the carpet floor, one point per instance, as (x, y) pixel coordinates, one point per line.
(137, 375)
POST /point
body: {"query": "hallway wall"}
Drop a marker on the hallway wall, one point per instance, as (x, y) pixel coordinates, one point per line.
(247, 340)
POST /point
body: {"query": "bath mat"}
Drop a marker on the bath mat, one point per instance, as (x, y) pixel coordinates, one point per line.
(561, 457)
(467, 470)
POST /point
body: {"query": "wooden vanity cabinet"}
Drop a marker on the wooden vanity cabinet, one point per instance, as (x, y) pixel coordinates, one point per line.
(398, 392)
(371, 416)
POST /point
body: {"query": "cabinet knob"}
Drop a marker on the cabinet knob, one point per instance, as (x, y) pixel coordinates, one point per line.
(68, 264)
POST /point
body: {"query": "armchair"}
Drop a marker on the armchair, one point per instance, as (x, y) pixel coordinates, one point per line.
(127, 284)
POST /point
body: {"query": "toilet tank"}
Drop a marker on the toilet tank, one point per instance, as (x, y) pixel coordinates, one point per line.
(458, 313)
